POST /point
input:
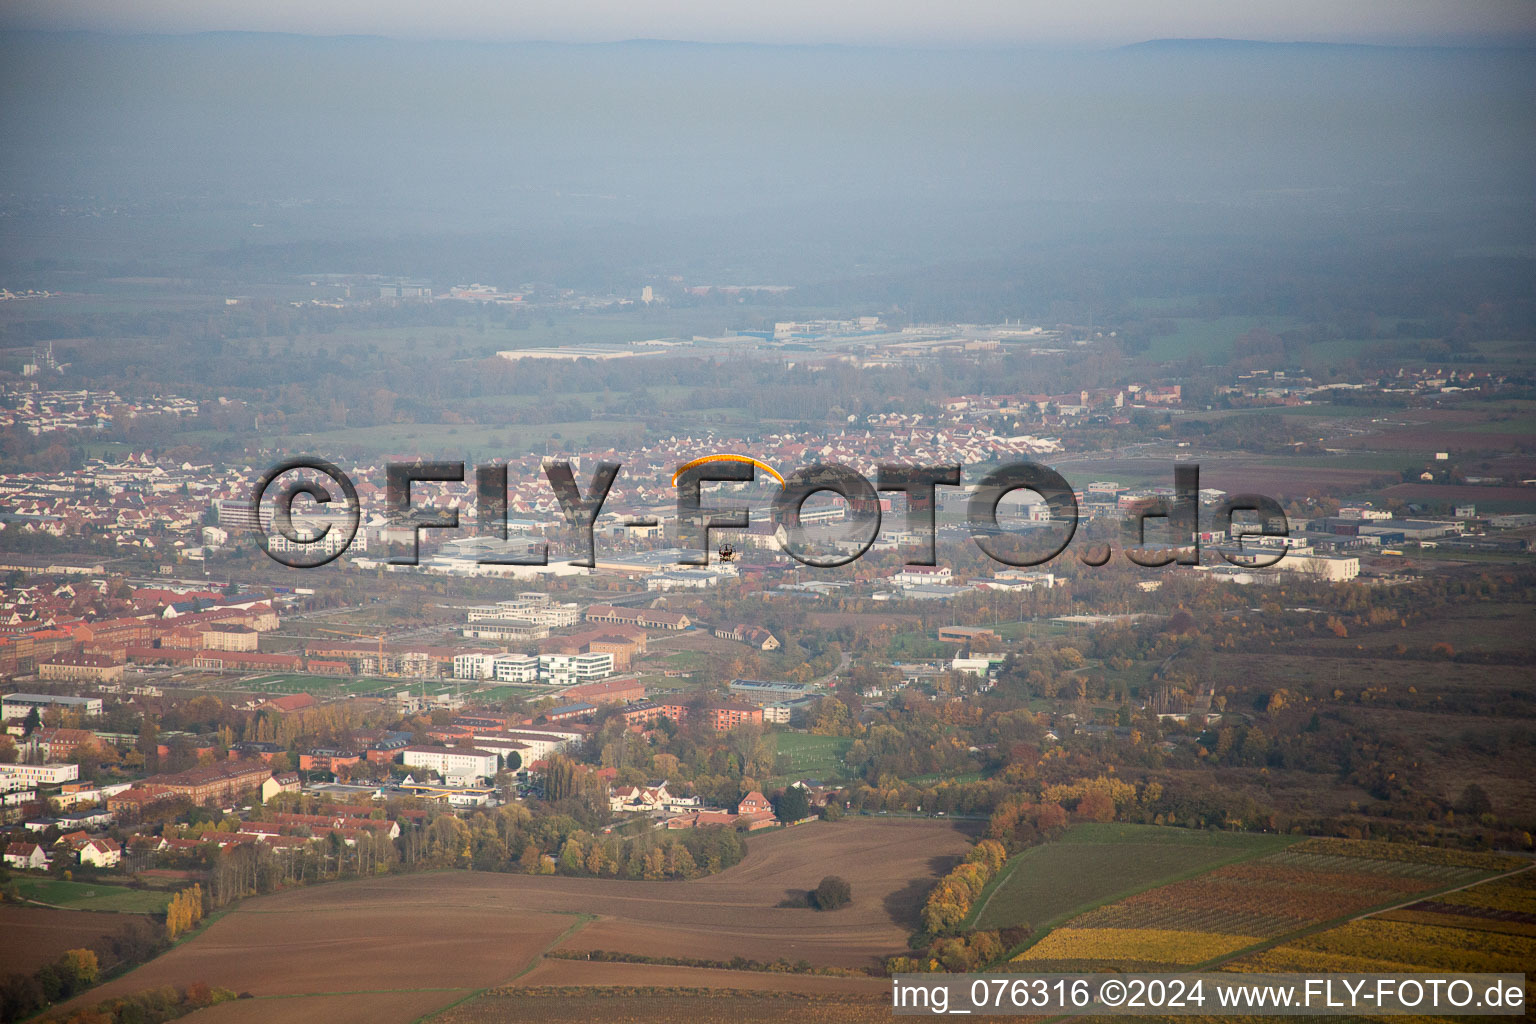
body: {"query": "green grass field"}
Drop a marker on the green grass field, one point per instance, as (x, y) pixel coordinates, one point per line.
(322, 686)
(93, 896)
(816, 757)
(1093, 864)
(935, 779)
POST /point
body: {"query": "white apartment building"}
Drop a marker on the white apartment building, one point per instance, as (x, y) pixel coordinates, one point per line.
(533, 744)
(493, 665)
(456, 765)
(567, 669)
(503, 745)
(474, 666)
(515, 668)
(14, 792)
(40, 774)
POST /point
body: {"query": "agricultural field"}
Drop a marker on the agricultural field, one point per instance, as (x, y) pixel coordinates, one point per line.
(1208, 338)
(655, 1005)
(325, 941)
(33, 936)
(92, 896)
(1443, 722)
(1094, 863)
(473, 931)
(1490, 927)
(1224, 911)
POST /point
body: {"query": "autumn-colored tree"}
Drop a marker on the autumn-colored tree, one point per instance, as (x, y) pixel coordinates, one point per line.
(83, 965)
(1096, 805)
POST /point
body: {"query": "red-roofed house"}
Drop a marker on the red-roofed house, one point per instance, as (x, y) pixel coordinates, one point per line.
(289, 703)
(25, 857)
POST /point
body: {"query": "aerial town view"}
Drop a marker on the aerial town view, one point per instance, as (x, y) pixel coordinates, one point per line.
(567, 513)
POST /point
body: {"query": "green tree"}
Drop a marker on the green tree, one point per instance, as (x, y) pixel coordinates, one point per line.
(833, 892)
(793, 805)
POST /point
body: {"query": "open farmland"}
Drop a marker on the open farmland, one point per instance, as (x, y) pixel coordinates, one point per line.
(558, 972)
(327, 941)
(341, 1008)
(1237, 906)
(1094, 863)
(462, 932)
(661, 1006)
(1490, 927)
(33, 936)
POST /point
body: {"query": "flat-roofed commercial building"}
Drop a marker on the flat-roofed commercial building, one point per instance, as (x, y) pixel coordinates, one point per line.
(15, 706)
(40, 774)
(504, 629)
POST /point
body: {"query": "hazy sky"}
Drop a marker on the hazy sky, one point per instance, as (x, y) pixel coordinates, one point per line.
(878, 22)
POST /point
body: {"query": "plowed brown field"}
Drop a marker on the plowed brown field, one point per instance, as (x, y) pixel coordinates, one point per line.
(390, 949)
(33, 936)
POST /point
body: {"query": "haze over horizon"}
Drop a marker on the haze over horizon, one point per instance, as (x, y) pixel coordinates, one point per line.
(966, 23)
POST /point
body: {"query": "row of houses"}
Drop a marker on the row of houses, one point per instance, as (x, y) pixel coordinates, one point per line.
(79, 847)
(752, 812)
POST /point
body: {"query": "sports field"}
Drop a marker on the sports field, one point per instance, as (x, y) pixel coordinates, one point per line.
(323, 685)
(92, 896)
(814, 757)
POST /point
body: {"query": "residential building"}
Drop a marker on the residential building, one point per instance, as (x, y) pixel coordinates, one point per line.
(26, 856)
(754, 811)
(81, 668)
(60, 744)
(40, 774)
(568, 669)
(727, 716)
(761, 691)
(16, 706)
(608, 691)
(457, 765)
(475, 665)
(102, 853)
(222, 783)
(571, 713)
(515, 668)
(283, 782)
(223, 636)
